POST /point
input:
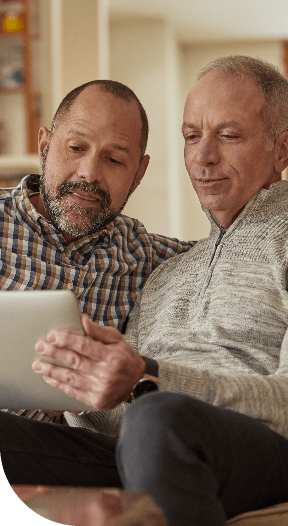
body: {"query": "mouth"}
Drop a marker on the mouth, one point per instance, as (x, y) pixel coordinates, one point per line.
(86, 196)
(84, 200)
(82, 194)
(208, 182)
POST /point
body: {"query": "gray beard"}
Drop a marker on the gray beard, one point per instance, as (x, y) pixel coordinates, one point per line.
(96, 218)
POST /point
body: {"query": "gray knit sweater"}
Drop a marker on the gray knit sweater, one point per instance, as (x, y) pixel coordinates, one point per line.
(216, 317)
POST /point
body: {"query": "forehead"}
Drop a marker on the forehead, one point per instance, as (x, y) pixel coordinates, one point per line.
(228, 98)
(97, 111)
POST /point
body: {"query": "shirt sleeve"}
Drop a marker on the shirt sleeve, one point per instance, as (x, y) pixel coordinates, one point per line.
(166, 247)
(37, 414)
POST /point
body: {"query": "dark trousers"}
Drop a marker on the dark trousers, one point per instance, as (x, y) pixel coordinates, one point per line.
(203, 465)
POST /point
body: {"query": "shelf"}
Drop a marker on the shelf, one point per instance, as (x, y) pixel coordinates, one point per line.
(21, 89)
(9, 91)
(18, 74)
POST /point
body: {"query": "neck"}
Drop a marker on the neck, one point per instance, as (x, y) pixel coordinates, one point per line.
(224, 218)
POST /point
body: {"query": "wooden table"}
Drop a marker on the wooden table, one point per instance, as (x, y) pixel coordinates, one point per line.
(77, 506)
(96, 507)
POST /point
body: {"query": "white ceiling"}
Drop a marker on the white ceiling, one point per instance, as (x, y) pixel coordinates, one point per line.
(215, 20)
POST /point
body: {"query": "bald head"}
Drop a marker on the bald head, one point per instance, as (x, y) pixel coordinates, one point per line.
(108, 86)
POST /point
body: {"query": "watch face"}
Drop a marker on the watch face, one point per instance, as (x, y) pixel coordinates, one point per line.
(144, 386)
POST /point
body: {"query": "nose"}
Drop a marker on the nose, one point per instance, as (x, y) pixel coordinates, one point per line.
(89, 168)
(207, 152)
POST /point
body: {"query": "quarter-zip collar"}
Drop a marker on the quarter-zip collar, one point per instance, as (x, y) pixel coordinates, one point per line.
(256, 209)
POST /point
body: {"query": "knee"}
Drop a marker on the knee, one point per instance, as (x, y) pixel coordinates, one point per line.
(150, 409)
(160, 425)
(154, 413)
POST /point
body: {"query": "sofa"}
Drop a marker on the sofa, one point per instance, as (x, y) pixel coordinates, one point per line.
(272, 516)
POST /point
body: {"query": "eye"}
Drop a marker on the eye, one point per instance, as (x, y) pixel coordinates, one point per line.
(113, 161)
(192, 137)
(76, 148)
(228, 136)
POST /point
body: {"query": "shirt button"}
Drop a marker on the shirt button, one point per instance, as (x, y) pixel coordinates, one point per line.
(70, 286)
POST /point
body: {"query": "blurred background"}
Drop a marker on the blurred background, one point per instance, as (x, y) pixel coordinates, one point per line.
(156, 47)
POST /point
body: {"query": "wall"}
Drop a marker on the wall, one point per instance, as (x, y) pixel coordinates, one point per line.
(45, 65)
(142, 57)
(75, 48)
(12, 111)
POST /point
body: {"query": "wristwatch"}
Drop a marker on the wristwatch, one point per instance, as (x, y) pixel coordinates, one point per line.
(149, 381)
(147, 384)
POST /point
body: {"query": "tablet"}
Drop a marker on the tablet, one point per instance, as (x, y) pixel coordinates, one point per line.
(26, 317)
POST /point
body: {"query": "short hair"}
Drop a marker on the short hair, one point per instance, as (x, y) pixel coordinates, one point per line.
(273, 85)
(108, 86)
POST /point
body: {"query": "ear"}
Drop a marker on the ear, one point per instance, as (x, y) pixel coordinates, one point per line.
(43, 141)
(281, 152)
(141, 170)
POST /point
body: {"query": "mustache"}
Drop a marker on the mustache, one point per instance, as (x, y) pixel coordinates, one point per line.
(93, 188)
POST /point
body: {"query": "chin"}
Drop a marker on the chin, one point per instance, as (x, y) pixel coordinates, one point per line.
(210, 204)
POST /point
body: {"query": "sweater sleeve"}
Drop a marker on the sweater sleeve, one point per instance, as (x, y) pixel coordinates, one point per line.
(105, 422)
(264, 398)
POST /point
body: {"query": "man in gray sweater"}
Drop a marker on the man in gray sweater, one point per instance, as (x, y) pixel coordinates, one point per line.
(209, 330)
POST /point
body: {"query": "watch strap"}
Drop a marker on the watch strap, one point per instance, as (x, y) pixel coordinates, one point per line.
(151, 366)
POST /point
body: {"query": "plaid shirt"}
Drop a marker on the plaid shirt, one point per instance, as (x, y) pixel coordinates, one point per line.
(105, 270)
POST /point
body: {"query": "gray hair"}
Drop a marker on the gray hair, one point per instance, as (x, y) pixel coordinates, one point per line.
(273, 85)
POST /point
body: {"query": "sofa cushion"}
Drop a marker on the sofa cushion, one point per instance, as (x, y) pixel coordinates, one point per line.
(273, 516)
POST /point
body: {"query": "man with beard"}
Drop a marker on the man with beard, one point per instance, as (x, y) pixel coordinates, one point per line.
(88, 208)
(68, 232)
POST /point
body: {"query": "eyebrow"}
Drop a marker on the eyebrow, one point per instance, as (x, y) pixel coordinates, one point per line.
(82, 134)
(77, 132)
(229, 124)
(121, 148)
(220, 126)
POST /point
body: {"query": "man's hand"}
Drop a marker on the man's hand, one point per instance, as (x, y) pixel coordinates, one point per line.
(105, 367)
